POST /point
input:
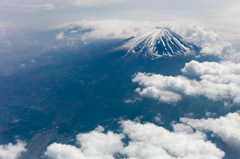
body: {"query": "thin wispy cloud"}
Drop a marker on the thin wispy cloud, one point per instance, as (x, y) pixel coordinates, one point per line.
(31, 8)
(26, 6)
(91, 3)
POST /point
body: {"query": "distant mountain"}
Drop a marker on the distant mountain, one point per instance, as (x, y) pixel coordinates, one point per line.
(157, 43)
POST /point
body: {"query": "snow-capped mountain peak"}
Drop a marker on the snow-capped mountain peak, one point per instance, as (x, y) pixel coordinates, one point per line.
(157, 43)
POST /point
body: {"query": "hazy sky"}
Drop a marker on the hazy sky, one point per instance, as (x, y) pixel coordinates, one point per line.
(218, 14)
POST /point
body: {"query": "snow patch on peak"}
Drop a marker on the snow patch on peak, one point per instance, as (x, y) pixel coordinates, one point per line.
(157, 43)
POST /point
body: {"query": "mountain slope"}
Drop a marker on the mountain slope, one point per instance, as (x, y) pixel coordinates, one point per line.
(157, 43)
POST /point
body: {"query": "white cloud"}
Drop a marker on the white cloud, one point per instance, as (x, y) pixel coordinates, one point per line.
(209, 42)
(94, 145)
(60, 36)
(228, 68)
(146, 141)
(90, 3)
(218, 81)
(11, 151)
(131, 101)
(161, 95)
(151, 141)
(225, 75)
(99, 144)
(227, 127)
(60, 151)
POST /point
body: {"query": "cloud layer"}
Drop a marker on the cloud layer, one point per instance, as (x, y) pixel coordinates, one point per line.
(152, 141)
(108, 29)
(146, 141)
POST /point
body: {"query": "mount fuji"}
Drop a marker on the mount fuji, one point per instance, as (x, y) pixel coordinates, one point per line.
(158, 43)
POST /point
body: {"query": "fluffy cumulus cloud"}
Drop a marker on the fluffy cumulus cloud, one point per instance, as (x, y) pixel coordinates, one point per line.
(146, 141)
(223, 75)
(11, 151)
(225, 68)
(218, 81)
(227, 127)
(209, 42)
(89, 3)
(94, 145)
(151, 141)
